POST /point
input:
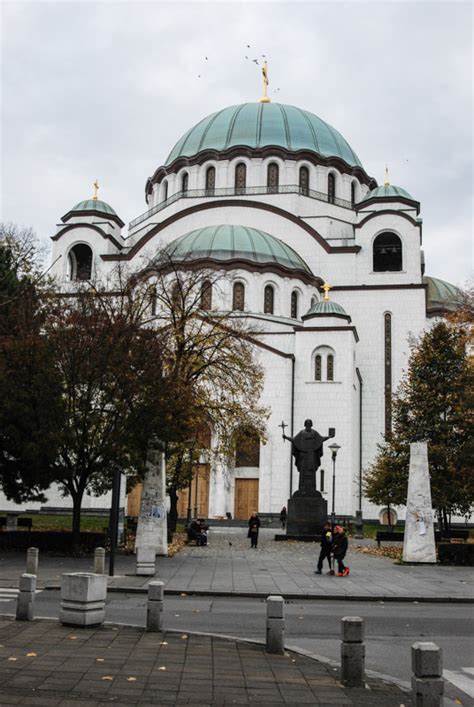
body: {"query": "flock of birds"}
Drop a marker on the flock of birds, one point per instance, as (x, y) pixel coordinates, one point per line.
(255, 61)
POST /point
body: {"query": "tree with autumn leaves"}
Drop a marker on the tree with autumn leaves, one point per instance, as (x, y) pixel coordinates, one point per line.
(434, 403)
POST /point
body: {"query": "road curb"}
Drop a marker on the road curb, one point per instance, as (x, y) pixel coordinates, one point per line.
(289, 596)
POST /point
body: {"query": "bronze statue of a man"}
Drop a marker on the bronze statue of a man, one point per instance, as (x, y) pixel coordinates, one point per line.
(307, 449)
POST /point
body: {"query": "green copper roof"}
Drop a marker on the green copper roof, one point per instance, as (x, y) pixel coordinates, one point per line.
(227, 243)
(94, 205)
(262, 124)
(441, 294)
(389, 190)
(328, 309)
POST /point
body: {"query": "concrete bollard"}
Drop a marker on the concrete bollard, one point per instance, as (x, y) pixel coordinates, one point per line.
(146, 557)
(427, 681)
(275, 624)
(99, 560)
(352, 652)
(83, 596)
(26, 597)
(32, 555)
(12, 521)
(154, 610)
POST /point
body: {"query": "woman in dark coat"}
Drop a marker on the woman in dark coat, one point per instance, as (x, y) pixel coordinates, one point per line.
(254, 525)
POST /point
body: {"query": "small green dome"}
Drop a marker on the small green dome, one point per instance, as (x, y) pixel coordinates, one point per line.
(227, 243)
(390, 191)
(94, 205)
(326, 309)
(259, 125)
(441, 295)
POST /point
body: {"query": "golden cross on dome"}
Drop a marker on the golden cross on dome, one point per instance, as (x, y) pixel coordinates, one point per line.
(386, 182)
(265, 98)
(326, 287)
(96, 189)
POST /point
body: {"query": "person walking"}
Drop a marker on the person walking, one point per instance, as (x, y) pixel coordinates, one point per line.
(326, 548)
(254, 525)
(283, 517)
(339, 550)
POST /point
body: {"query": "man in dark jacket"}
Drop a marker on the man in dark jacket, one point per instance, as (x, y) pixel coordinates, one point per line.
(254, 525)
(326, 548)
(339, 549)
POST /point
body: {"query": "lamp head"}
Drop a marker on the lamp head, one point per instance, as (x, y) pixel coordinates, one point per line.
(334, 449)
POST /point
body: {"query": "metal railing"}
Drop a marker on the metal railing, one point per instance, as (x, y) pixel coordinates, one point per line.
(239, 191)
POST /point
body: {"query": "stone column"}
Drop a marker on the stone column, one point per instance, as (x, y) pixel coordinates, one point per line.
(26, 597)
(83, 598)
(427, 681)
(352, 652)
(32, 555)
(275, 624)
(152, 527)
(154, 614)
(419, 542)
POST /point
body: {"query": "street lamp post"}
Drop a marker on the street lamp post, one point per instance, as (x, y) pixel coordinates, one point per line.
(334, 449)
(114, 519)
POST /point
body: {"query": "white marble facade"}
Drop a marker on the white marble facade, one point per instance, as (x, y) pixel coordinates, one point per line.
(336, 241)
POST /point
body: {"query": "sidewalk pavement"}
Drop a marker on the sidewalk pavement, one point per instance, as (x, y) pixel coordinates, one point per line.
(45, 663)
(229, 567)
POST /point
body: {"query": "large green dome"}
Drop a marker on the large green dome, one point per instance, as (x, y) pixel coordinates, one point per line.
(441, 295)
(257, 125)
(236, 243)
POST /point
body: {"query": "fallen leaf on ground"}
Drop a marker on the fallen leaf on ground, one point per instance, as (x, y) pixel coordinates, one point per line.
(164, 643)
(197, 611)
(32, 654)
(162, 667)
(185, 635)
(131, 679)
(72, 638)
(300, 617)
(100, 660)
(183, 594)
(176, 614)
(106, 677)
(12, 658)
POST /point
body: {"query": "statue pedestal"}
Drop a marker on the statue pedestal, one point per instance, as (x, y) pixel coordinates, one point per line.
(306, 515)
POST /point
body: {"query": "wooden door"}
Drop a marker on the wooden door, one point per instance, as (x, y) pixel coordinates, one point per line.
(246, 498)
(133, 500)
(202, 477)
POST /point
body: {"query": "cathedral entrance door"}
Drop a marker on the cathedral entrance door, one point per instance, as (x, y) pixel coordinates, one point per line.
(246, 498)
(202, 476)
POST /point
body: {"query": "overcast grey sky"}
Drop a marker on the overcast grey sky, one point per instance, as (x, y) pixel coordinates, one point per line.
(105, 89)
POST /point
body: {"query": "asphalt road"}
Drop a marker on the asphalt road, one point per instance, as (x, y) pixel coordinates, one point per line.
(313, 625)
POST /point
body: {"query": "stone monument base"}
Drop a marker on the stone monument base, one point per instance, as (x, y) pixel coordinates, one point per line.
(306, 515)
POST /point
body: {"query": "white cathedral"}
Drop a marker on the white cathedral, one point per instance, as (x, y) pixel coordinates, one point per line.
(275, 200)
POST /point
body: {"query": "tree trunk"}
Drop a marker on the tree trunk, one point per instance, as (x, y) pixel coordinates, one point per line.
(76, 520)
(173, 517)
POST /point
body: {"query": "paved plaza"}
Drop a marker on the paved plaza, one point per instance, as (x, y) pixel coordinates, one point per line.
(229, 567)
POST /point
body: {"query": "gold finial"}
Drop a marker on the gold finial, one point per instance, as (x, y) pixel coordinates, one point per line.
(265, 98)
(386, 182)
(96, 189)
(326, 287)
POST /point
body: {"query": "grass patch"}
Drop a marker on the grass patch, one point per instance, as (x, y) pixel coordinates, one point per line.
(42, 521)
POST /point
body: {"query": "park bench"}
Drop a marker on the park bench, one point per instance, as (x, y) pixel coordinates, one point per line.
(22, 523)
(397, 537)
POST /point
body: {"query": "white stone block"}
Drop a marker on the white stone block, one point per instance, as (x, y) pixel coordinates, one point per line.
(146, 557)
(419, 542)
(352, 629)
(27, 583)
(426, 659)
(83, 598)
(275, 607)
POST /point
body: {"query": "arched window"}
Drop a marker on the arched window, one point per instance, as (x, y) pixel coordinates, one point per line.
(272, 177)
(314, 300)
(387, 253)
(331, 188)
(268, 299)
(317, 367)
(153, 301)
(353, 193)
(240, 178)
(238, 297)
(247, 448)
(294, 305)
(206, 295)
(304, 181)
(80, 262)
(210, 180)
(330, 367)
(164, 190)
(184, 182)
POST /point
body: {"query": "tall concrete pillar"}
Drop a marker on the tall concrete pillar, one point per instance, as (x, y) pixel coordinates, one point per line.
(419, 542)
(152, 527)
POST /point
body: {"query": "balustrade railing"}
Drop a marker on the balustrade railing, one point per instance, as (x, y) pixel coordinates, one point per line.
(240, 191)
